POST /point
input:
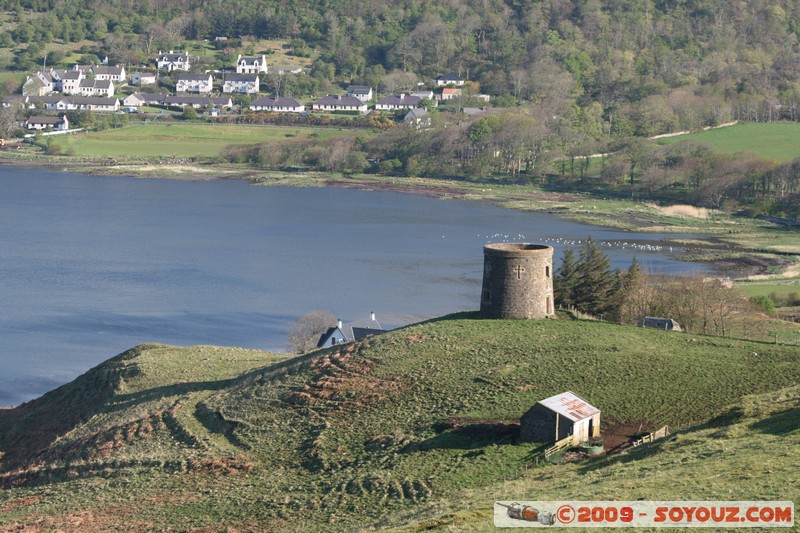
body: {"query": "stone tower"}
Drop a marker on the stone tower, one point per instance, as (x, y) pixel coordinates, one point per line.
(517, 281)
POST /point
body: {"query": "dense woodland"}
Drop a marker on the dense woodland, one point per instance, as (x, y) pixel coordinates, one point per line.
(576, 76)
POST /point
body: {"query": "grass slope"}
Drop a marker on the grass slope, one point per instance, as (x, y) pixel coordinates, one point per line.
(181, 140)
(776, 141)
(372, 434)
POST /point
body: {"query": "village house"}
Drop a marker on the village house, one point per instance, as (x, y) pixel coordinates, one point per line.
(115, 74)
(279, 104)
(559, 417)
(40, 84)
(74, 103)
(241, 84)
(47, 123)
(423, 95)
(361, 92)
(289, 70)
(70, 81)
(339, 103)
(404, 101)
(15, 100)
(172, 61)
(418, 118)
(194, 83)
(359, 330)
(666, 324)
(251, 64)
(143, 78)
(449, 79)
(140, 99)
(95, 87)
(448, 93)
(199, 102)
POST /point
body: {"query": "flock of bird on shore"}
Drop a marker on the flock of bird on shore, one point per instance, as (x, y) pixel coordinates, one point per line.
(624, 245)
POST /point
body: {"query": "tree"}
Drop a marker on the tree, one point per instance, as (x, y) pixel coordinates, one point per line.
(305, 331)
(594, 289)
(565, 279)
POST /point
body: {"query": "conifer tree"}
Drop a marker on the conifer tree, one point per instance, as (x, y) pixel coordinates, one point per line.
(595, 285)
(565, 279)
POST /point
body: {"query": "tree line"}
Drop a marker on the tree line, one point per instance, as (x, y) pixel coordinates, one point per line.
(585, 282)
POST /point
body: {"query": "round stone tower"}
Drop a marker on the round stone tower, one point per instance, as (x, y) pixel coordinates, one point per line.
(517, 281)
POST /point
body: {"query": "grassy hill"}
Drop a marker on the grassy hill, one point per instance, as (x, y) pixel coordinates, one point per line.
(775, 141)
(416, 428)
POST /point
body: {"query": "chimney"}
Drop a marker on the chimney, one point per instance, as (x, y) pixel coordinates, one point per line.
(402, 96)
(339, 323)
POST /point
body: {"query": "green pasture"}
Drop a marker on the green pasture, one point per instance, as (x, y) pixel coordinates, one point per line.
(181, 140)
(784, 288)
(777, 141)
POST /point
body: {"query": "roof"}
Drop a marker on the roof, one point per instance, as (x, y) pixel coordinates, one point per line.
(97, 84)
(451, 90)
(250, 60)
(330, 333)
(92, 100)
(46, 120)
(570, 405)
(71, 75)
(241, 78)
(194, 77)
(450, 76)
(111, 71)
(403, 99)
(280, 101)
(196, 100)
(173, 57)
(344, 101)
(363, 333)
(359, 89)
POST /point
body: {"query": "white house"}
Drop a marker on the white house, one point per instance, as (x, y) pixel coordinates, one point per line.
(424, 95)
(40, 84)
(361, 92)
(172, 61)
(143, 78)
(449, 79)
(280, 104)
(194, 83)
(95, 87)
(339, 103)
(115, 74)
(71, 81)
(251, 64)
(404, 101)
(241, 83)
(44, 123)
(448, 93)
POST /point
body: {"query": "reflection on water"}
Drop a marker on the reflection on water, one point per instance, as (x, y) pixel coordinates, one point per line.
(92, 266)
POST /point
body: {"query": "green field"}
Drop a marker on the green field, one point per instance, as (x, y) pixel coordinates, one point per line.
(416, 424)
(778, 141)
(181, 140)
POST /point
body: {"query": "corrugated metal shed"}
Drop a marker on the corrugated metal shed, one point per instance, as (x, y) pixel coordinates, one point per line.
(570, 405)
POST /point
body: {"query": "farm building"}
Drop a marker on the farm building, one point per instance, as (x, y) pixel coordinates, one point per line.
(559, 417)
(659, 323)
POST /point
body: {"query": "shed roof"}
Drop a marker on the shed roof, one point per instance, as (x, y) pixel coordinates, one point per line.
(570, 405)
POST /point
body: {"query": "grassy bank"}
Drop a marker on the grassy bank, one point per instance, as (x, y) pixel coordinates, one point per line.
(775, 141)
(411, 423)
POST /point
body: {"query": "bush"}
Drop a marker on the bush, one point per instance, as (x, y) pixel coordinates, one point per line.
(763, 304)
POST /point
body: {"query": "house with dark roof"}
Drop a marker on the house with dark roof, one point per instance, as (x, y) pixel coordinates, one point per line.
(355, 331)
(449, 79)
(339, 103)
(40, 84)
(278, 104)
(104, 72)
(251, 64)
(95, 87)
(362, 92)
(47, 123)
(194, 83)
(172, 61)
(70, 81)
(393, 103)
(241, 83)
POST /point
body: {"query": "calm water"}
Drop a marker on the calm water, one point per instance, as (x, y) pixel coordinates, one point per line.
(92, 266)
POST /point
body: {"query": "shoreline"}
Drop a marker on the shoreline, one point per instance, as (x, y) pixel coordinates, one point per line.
(740, 252)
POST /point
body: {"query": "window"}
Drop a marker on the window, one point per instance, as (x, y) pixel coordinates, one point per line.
(547, 271)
